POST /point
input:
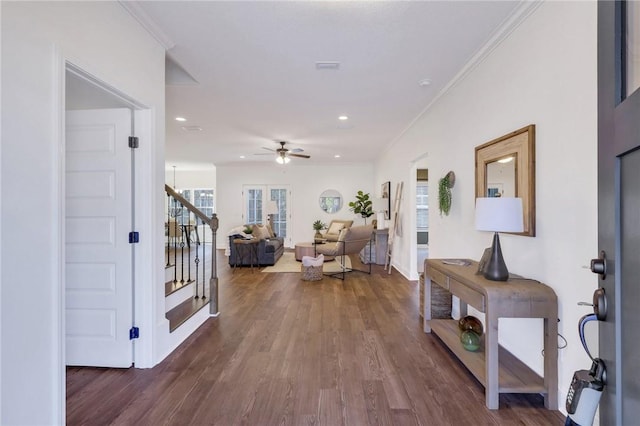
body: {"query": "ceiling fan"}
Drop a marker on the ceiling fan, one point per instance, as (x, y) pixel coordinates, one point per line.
(283, 154)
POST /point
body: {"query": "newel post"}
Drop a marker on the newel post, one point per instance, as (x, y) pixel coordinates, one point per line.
(213, 281)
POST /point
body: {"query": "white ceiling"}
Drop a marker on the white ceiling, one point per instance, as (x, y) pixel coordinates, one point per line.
(256, 79)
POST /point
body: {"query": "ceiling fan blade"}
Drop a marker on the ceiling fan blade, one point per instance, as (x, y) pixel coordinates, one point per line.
(268, 149)
(264, 153)
(300, 155)
(296, 150)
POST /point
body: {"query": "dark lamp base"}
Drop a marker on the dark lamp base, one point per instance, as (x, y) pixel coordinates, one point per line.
(496, 269)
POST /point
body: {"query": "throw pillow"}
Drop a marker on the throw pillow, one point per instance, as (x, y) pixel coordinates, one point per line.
(270, 229)
(343, 234)
(261, 232)
(335, 228)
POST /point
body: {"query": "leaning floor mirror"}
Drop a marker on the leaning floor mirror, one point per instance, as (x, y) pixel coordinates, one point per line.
(505, 167)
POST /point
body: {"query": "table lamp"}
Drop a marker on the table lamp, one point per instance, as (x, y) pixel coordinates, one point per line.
(498, 214)
(379, 206)
(272, 208)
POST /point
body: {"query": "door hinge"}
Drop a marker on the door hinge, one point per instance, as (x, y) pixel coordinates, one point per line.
(134, 333)
(134, 237)
(134, 142)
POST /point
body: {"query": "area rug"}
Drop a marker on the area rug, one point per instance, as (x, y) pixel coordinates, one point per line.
(288, 263)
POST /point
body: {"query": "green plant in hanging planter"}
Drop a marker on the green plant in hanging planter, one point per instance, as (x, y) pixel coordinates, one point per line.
(362, 206)
(444, 193)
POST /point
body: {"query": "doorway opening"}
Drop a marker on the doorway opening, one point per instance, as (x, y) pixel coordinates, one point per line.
(422, 217)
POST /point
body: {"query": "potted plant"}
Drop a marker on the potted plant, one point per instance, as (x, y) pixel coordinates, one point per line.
(362, 206)
(318, 225)
(248, 229)
(444, 192)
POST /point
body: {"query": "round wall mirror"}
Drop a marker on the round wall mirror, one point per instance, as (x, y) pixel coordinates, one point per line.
(330, 201)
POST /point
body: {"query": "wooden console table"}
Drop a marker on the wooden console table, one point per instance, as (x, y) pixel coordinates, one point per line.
(498, 370)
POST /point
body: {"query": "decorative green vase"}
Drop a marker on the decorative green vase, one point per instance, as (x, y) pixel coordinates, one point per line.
(470, 340)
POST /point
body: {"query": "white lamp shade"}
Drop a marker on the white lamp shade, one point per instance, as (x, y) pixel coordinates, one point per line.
(379, 204)
(499, 214)
(272, 207)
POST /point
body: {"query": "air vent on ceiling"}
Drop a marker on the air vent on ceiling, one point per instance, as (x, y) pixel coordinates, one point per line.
(327, 65)
(191, 128)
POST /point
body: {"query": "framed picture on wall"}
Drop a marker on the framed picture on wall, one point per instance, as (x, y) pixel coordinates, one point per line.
(386, 194)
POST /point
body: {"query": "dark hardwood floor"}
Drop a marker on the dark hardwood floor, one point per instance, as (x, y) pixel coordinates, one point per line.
(290, 352)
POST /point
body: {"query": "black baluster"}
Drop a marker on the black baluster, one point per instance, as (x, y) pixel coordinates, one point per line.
(181, 244)
(204, 259)
(187, 233)
(168, 230)
(197, 261)
(175, 242)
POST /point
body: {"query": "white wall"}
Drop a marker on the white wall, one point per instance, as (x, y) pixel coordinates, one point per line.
(191, 178)
(37, 39)
(544, 73)
(306, 183)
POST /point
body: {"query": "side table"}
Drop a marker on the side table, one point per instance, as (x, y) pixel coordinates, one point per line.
(243, 247)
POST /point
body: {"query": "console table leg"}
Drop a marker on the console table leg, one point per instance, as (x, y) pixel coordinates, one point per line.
(492, 399)
(426, 315)
(551, 362)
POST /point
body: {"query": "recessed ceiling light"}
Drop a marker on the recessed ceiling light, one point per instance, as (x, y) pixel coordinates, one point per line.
(242, 156)
(336, 156)
(191, 128)
(181, 119)
(343, 117)
(424, 82)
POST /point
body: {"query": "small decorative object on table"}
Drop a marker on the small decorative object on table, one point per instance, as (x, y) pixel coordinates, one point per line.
(486, 255)
(458, 262)
(470, 340)
(248, 229)
(471, 329)
(470, 323)
(318, 226)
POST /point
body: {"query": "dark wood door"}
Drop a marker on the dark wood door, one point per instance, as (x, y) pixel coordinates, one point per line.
(619, 206)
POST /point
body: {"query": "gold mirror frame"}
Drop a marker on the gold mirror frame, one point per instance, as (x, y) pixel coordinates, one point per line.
(521, 145)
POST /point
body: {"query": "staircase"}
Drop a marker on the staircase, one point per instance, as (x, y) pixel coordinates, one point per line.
(191, 282)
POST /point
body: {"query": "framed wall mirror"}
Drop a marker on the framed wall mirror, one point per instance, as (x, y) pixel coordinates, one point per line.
(330, 201)
(505, 167)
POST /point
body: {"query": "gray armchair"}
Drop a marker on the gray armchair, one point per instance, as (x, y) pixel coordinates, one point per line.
(351, 241)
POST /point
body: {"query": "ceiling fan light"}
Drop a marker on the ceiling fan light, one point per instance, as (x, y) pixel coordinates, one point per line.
(282, 159)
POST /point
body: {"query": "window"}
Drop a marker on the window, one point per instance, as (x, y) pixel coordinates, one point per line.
(254, 206)
(279, 224)
(201, 198)
(422, 206)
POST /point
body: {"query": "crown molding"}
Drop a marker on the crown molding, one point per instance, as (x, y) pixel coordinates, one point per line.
(136, 11)
(508, 26)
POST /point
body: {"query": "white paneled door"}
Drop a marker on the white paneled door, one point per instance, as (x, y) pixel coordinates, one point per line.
(98, 254)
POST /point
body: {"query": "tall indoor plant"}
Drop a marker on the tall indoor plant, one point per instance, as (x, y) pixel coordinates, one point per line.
(362, 206)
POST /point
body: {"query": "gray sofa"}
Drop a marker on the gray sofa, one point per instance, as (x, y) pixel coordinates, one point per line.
(269, 251)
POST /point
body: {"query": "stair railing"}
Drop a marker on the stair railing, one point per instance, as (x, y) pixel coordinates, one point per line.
(179, 202)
